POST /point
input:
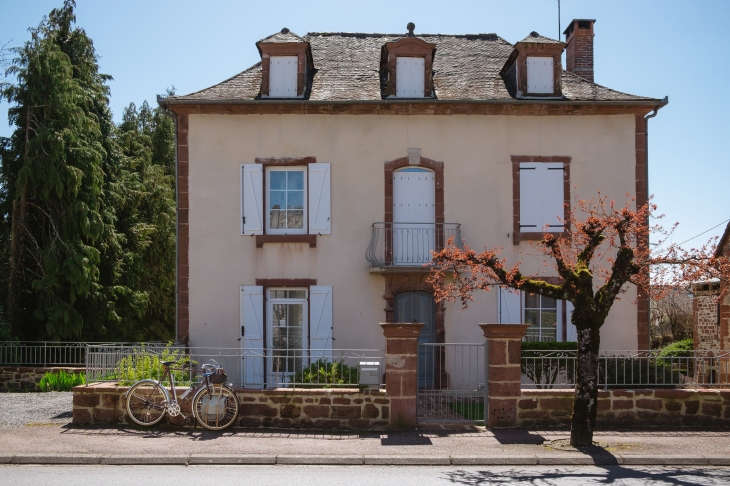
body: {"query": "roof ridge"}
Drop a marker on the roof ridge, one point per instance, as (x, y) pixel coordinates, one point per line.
(490, 35)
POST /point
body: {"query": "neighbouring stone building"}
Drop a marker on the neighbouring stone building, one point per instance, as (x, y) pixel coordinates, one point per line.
(711, 318)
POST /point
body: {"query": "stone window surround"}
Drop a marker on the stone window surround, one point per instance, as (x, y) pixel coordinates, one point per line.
(518, 235)
(407, 47)
(299, 49)
(283, 162)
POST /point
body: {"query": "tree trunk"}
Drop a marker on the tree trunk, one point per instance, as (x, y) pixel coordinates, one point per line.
(585, 405)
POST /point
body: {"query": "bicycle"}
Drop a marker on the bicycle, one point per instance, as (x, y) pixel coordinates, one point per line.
(214, 405)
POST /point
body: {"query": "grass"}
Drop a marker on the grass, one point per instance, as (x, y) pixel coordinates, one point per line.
(61, 381)
(470, 410)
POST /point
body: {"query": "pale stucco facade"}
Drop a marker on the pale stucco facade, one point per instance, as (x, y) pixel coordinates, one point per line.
(476, 152)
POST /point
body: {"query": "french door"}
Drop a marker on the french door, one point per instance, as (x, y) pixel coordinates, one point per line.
(414, 216)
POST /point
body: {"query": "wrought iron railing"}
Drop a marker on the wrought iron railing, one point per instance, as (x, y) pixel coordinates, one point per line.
(409, 244)
(249, 368)
(629, 369)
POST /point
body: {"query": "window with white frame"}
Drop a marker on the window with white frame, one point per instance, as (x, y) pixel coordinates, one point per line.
(410, 77)
(283, 76)
(283, 329)
(548, 319)
(540, 75)
(542, 197)
(283, 200)
(286, 194)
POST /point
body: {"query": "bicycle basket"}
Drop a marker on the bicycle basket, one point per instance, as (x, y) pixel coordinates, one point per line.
(219, 377)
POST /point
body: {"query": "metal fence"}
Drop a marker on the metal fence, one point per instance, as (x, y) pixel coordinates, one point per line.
(44, 353)
(250, 368)
(409, 244)
(624, 369)
(451, 382)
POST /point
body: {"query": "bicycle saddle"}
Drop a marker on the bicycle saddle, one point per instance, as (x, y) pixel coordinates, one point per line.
(166, 363)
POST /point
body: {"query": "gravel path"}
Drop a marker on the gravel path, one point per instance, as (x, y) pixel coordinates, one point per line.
(19, 409)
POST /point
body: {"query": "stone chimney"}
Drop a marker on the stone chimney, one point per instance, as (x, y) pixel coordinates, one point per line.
(579, 52)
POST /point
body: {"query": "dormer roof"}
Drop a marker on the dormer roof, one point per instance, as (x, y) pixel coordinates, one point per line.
(465, 68)
(285, 36)
(535, 38)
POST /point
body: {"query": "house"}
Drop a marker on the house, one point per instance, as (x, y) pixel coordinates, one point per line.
(313, 185)
(711, 318)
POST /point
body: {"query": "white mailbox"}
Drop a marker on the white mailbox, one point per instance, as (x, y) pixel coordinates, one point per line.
(369, 373)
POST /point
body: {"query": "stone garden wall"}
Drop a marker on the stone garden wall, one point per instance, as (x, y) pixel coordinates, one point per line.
(103, 403)
(16, 378)
(658, 407)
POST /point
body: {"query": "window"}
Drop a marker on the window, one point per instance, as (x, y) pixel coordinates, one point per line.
(287, 326)
(541, 313)
(541, 194)
(285, 199)
(283, 76)
(410, 77)
(540, 75)
(281, 337)
(548, 319)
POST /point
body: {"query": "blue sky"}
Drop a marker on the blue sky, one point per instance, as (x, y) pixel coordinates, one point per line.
(649, 47)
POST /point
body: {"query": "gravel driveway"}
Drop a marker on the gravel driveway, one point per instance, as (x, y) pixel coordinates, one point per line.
(19, 409)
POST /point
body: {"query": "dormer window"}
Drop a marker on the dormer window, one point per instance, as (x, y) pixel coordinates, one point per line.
(406, 67)
(286, 65)
(283, 76)
(534, 68)
(410, 76)
(540, 75)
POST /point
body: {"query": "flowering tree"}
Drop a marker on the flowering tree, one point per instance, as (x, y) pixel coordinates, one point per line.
(605, 247)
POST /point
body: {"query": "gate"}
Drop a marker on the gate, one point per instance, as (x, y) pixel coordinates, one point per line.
(458, 388)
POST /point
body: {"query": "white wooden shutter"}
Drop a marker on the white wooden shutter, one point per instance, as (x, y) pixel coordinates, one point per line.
(319, 199)
(571, 332)
(320, 322)
(252, 200)
(510, 308)
(283, 76)
(410, 77)
(530, 197)
(252, 323)
(540, 75)
(553, 199)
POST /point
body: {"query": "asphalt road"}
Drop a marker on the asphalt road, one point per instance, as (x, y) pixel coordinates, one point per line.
(360, 475)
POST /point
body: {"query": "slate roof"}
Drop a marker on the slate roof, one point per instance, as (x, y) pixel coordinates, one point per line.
(536, 38)
(282, 37)
(347, 68)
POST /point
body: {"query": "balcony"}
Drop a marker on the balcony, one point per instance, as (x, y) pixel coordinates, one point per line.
(395, 246)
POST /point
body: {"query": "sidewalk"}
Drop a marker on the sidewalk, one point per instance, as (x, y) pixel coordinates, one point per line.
(430, 445)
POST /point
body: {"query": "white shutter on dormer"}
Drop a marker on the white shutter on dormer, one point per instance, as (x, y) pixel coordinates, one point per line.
(410, 77)
(530, 197)
(553, 199)
(283, 76)
(252, 199)
(540, 75)
(319, 199)
(320, 325)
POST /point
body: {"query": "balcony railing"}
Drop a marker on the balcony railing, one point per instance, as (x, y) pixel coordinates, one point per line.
(409, 244)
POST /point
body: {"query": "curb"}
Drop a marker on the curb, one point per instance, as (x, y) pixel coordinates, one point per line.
(358, 460)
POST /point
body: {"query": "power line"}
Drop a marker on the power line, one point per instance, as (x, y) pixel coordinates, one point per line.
(685, 241)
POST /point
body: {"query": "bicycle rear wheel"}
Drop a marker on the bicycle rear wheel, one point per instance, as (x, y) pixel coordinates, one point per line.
(215, 410)
(146, 403)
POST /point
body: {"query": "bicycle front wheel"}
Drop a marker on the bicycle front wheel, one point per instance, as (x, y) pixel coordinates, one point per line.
(215, 408)
(146, 403)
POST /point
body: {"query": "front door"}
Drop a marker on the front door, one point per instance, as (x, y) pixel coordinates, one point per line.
(414, 216)
(420, 307)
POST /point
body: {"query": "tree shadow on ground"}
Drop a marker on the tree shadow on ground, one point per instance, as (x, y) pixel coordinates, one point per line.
(517, 436)
(590, 475)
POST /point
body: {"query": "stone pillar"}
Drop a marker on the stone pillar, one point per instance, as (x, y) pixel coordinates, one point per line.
(504, 351)
(401, 366)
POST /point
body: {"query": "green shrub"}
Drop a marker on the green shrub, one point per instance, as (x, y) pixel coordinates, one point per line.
(326, 374)
(145, 364)
(678, 349)
(544, 373)
(61, 381)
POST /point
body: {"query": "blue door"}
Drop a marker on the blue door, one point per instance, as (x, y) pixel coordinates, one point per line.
(420, 307)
